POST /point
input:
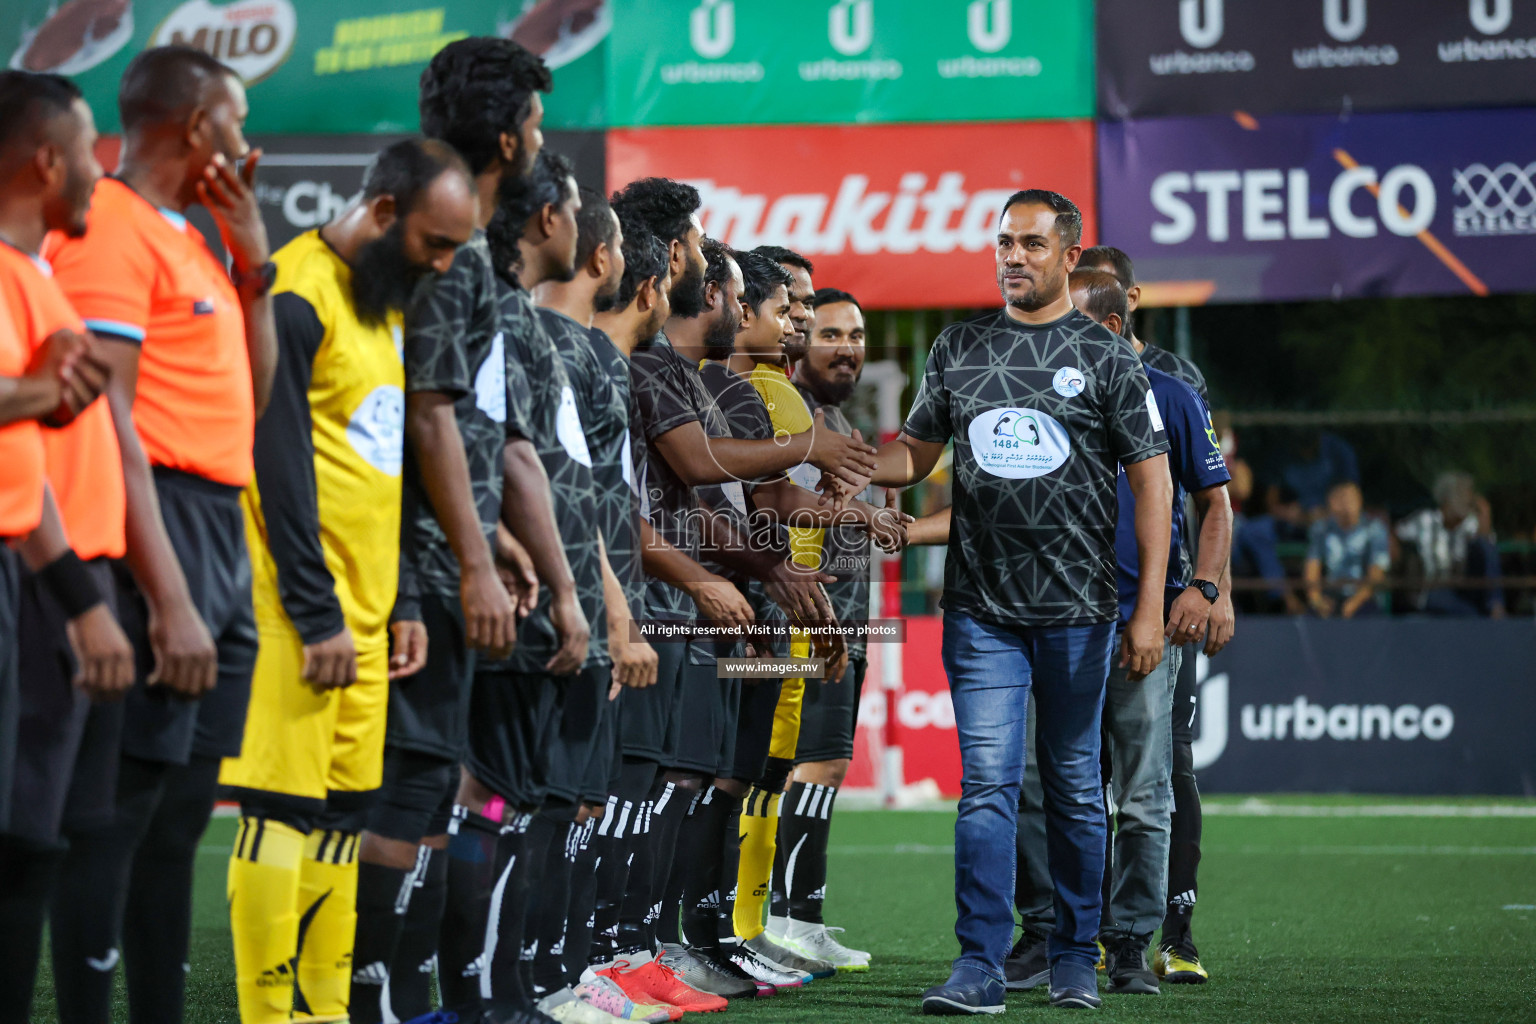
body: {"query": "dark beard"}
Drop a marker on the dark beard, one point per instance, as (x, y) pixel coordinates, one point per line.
(382, 278)
(687, 294)
(829, 392)
(720, 342)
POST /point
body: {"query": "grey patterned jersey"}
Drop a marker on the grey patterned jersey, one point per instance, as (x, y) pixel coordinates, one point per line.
(1176, 366)
(1041, 416)
(555, 428)
(452, 346)
(614, 460)
(846, 550)
(669, 394)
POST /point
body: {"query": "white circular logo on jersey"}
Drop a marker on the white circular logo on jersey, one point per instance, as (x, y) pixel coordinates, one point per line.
(1068, 382)
(568, 428)
(376, 430)
(1018, 444)
(491, 382)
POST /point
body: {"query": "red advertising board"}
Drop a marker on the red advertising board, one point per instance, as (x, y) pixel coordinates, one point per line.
(902, 216)
(925, 715)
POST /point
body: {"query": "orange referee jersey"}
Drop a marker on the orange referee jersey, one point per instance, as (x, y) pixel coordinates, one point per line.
(21, 443)
(83, 462)
(146, 275)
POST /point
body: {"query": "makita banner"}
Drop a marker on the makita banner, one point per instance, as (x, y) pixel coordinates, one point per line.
(849, 61)
(1370, 706)
(1241, 209)
(1159, 57)
(902, 216)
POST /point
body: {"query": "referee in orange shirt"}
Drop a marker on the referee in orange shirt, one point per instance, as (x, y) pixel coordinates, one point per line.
(63, 634)
(193, 352)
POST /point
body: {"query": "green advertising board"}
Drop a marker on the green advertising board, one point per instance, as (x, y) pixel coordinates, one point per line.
(679, 62)
(311, 66)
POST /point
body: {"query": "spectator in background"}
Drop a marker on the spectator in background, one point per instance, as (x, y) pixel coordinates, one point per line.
(1455, 540)
(1256, 546)
(1320, 460)
(1347, 557)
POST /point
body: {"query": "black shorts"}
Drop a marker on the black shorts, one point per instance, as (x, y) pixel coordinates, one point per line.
(207, 532)
(1186, 696)
(705, 727)
(416, 797)
(66, 747)
(754, 728)
(512, 719)
(10, 695)
(829, 712)
(428, 711)
(645, 728)
(575, 757)
(613, 725)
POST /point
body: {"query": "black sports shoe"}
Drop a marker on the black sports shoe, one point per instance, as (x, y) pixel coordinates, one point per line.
(1026, 966)
(1125, 960)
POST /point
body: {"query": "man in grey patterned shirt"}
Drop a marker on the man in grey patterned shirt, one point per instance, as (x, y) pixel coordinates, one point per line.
(1042, 405)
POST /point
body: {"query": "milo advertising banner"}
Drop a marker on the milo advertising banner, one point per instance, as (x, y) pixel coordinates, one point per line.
(337, 66)
(690, 62)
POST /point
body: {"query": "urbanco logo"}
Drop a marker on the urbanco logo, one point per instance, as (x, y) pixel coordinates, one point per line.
(851, 26)
(1195, 31)
(989, 24)
(712, 28)
(1490, 17)
(1345, 27)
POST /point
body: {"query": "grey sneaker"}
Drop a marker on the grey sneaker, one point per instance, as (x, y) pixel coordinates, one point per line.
(783, 957)
(1125, 961)
(761, 970)
(1026, 967)
(698, 972)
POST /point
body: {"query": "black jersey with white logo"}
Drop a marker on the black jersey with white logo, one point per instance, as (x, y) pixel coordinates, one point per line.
(1041, 417)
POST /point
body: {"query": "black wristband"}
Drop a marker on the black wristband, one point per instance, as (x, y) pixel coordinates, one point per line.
(71, 584)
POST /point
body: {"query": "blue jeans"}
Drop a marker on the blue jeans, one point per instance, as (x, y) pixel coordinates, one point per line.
(992, 670)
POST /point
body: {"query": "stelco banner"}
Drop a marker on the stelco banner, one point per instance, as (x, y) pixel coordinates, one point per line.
(1160, 57)
(338, 66)
(904, 217)
(1247, 209)
(847, 61)
(1370, 706)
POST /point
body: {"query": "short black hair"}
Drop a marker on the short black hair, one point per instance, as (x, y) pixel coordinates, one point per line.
(645, 257)
(549, 183)
(1107, 257)
(1105, 296)
(1069, 219)
(477, 89)
(595, 227)
(781, 255)
(832, 296)
(761, 274)
(404, 170)
(718, 258)
(29, 100)
(164, 84)
(665, 206)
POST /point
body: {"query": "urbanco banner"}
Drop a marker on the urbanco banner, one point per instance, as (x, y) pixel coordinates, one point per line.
(1370, 706)
(1245, 209)
(849, 61)
(902, 216)
(340, 66)
(1179, 57)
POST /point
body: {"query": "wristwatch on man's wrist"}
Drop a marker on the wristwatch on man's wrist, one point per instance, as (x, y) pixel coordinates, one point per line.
(258, 278)
(1207, 589)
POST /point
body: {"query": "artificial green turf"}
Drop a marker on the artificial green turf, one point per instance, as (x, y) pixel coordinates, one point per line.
(1301, 921)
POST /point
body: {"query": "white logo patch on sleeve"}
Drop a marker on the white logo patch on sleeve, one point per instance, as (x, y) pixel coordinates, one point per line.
(1018, 444)
(568, 428)
(1157, 417)
(627, 465)
(1068, 382)
(491, 382)
(376, 430)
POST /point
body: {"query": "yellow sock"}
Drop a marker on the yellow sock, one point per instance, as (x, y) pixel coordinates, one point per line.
(328, 896)
(263, 891)
(759, 836)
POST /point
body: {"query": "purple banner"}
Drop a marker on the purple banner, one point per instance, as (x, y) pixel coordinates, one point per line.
(1238, 209)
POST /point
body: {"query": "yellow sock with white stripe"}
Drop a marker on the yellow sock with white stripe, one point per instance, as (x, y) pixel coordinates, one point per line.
(759, 837)
(263, 891)
(328, 924)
